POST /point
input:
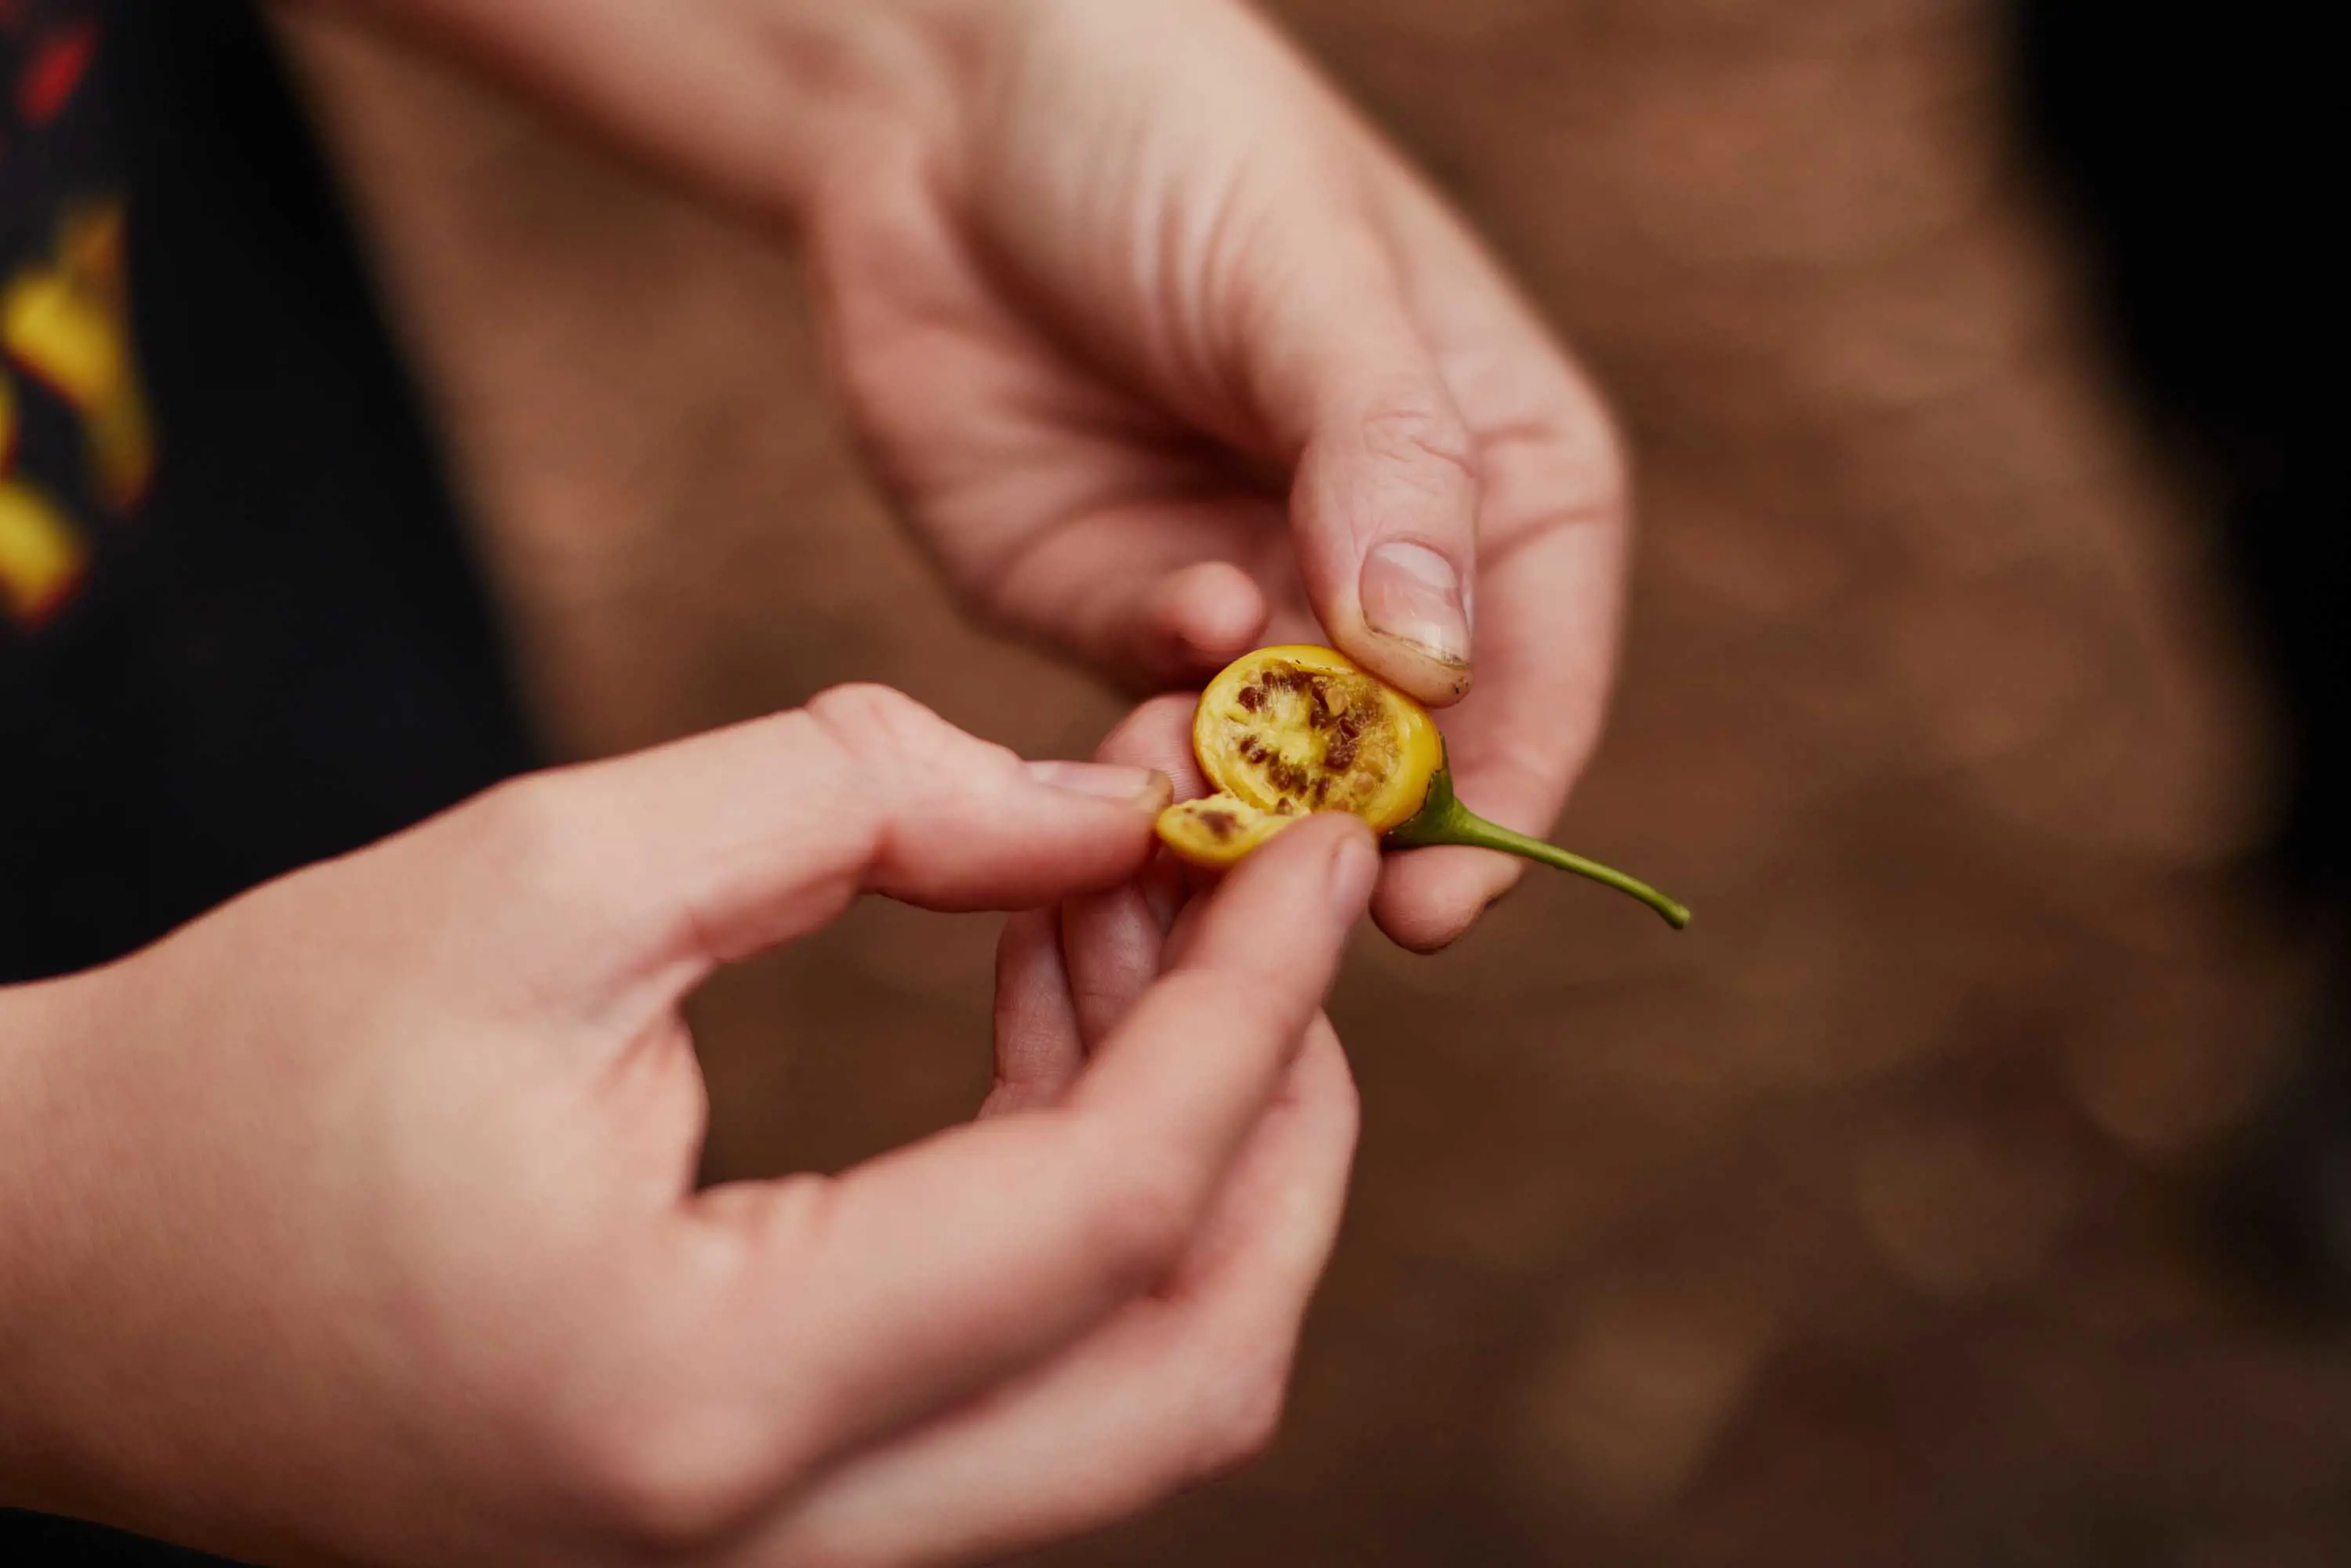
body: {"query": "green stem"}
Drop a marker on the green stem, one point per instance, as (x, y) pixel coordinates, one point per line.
(1444, 819)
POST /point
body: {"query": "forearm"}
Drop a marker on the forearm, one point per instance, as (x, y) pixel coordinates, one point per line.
(34, 1025)
(742, 99)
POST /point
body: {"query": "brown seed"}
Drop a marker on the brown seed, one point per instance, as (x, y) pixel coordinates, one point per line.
(1220, 823)
(1342, 754)
(1251, 699)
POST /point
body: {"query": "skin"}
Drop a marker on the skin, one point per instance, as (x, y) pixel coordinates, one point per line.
(1153, 342)
(383, 1245)
(354, 1222)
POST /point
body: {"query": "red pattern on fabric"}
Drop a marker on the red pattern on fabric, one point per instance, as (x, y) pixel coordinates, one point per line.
(55, 70)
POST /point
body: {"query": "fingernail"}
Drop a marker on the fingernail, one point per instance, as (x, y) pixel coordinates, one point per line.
(1354, 866)
(1412, 595)
(1146, 786)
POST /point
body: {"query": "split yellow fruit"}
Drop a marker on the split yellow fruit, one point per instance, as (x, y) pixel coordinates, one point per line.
(1217, 830)
(1285, 732)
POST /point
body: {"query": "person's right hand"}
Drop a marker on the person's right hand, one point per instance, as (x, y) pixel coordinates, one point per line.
(1162, 351)
(1166, 353)
(357, 1221)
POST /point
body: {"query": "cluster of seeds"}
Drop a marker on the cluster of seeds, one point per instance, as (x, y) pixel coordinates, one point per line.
(1288, 778)
(1328, 709)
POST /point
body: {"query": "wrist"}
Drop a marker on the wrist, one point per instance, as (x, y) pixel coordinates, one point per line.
(861, 80)
(751, 102)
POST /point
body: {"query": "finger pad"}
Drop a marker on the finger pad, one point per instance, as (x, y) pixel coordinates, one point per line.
(1212, 614)
(1428, 899)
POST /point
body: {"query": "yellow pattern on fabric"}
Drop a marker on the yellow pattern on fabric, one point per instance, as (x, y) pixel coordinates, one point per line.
(41, 557)
(66, 321)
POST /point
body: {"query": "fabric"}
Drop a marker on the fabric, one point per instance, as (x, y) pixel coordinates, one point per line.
(240, 631)
(239, 627)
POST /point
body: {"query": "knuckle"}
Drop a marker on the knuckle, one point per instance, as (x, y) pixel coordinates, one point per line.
(668, 1477)
(1577, 455)
(1002, 596)
(1350, 1115)
(529, 827)
(1144, 1209)
(865, 705)
(1239, 1426)
(878, 727)
(901, 759)
(1418, 430)
(869, 705)
(654, 1440)
(1346, 1099)
(1605, 458)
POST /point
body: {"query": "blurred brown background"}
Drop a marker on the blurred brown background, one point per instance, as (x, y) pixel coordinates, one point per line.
(1862, 1224)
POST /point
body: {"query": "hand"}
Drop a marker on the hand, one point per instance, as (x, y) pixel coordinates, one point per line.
(1130, 275)
(357, 1220)
(1194, 1371)
(1164, 353)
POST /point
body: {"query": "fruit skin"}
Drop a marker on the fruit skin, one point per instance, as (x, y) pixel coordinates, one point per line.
(1190, 828)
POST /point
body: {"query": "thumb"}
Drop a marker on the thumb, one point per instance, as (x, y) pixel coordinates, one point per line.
(1384, 507)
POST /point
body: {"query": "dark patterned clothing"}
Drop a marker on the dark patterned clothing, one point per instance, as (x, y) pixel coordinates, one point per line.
(239, 629)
